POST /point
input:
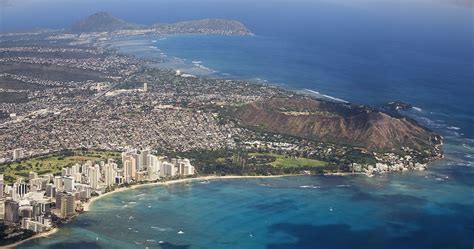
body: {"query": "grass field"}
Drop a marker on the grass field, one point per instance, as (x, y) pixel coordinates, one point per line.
(52, 163)
(291, 162)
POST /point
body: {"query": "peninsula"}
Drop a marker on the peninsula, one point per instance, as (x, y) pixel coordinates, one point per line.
(74, 92)
(83, 119)
(104, 22)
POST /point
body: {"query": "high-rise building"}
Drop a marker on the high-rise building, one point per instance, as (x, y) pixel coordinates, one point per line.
(130, 168)
(135, 158)
(75, 169)
(129, 153)
(11, 214)
(58, 199)
(2, 186)
(84, 191)
(19, 190)
(66, 171)
(94, 176)
(67, 206)
(84, 169)
(144, 160)
(36, 184)
(145, 87)
(185, 167)
(127, 169)
(50, 190)
(58, 183)
(77, 177)
(168, 169)
(189, 170)
(2, 209)
(153, 167)
(68, 183)
(38, 224)
(25, 211)
(109, 174)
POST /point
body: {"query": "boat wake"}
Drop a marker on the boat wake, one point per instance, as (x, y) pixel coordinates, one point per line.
(161, 229)
(310, 186)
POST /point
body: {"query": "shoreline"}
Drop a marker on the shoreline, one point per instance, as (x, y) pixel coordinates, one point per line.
(87, 205)
(204, 178)
(36, 236)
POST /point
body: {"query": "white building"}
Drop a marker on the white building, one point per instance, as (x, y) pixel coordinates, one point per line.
(168, 169)
(19, 190)
(18, 154)
(110, 173)
(154, 165)
(144, 160)
(94, 176)
(38, 225)
(66, 171)
(130, 168)
(58, 183)
(68, 182)
(36, 184)
(77, 177)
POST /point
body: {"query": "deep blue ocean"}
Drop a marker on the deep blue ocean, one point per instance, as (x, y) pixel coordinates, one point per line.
(367, 52)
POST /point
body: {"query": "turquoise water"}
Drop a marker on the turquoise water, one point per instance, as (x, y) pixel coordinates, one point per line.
(365, 53)
(430, 209)
(411, 210)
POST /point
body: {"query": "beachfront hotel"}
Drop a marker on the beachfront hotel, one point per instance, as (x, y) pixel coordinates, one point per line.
(43, 201)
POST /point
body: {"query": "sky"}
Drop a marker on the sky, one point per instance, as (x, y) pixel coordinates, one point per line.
(30, 14)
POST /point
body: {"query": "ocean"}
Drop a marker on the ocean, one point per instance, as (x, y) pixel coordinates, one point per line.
(429, 209)
(369, 53)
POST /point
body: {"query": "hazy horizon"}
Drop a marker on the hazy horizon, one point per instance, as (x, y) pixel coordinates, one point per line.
(55, 14)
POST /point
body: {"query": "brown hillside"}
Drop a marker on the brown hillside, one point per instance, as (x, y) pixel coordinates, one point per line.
(335, 122)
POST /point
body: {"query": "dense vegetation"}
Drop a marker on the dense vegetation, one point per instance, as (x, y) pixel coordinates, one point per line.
(240, 162)
(10, 235)
(52, 163)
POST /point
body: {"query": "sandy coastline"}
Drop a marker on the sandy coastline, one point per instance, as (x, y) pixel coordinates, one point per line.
(37, 236)
(88, 204)
(170, 182)
(95, 198)
(204, 178)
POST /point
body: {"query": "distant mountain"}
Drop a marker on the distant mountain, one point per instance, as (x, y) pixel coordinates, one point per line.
(208, 26)
(99, 22)
(335, 122)
(105, 22)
